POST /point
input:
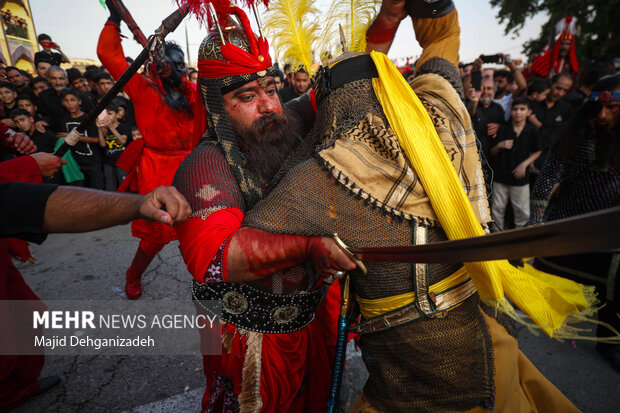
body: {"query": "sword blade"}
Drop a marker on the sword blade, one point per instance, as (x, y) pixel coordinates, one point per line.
(597, 231)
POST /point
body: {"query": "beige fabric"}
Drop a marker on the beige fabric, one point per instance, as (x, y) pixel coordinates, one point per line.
(520, 387)
(368, 160)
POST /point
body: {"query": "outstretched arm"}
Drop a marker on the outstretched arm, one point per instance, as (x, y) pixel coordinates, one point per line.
(79, 210)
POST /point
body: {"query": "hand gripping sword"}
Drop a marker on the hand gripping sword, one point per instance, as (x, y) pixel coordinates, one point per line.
(597, 231)
(153, 44)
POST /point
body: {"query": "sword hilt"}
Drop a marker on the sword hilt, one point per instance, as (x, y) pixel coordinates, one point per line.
(345, 248)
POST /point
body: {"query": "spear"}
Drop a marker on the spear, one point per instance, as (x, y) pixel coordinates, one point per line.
(153, 44)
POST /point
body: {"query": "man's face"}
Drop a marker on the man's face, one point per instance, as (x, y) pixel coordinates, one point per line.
(27, 105)
(564, 47)
(71, 103)
(23, 122)
(487, 87)
(2, 72)
(501, 83)
(80, 84)
(104, 85)
(57, 79)
(519, 113)
(609, 115)
(301, 83)
(39, 87)
(279, 83)
(42, 68)
(251, 102)
(16, 78)
(177, 59)
(7, 96)
(559, 89)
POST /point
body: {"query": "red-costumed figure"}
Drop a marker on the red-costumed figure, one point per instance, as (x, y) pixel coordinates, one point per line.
(562, 58)
(163, 108)
(19, 374)
(276, 337)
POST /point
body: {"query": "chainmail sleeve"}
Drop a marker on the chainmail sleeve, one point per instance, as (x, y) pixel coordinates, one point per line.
(547, 180)
(207, 182)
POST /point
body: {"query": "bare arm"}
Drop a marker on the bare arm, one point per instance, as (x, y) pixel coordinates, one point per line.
(70, 209)
(516, 74)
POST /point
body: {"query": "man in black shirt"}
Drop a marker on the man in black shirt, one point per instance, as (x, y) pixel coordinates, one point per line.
(50, 104)
(550, 113)
(487, 116)
(300, 85)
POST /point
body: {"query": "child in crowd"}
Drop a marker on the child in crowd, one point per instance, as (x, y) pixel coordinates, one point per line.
(28, 103)
(537, 91)
(113, 138)
(25, 122)
(515, 150)
(8, 97)
(135, 133)
(86, 152)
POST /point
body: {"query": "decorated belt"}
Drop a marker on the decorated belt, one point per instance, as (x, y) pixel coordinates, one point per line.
(259, 310)
(443, 301)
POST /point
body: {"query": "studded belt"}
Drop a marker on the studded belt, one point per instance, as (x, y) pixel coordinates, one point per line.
(259, 310)
(442, 301)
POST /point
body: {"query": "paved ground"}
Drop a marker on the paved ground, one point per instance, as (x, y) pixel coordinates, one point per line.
(92, 266)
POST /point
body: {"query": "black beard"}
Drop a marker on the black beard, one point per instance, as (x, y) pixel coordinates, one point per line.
(174, 97)
(268, 143)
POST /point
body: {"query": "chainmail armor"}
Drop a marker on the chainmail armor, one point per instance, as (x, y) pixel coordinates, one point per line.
(584, 184)
(431, 365)
(445, 69)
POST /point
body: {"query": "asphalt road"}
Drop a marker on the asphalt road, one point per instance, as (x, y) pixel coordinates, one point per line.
(92, 266)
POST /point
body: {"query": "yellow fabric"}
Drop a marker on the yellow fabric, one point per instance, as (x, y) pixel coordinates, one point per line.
(519, 386)
(372, 308)
(546, 299)
(439, 38)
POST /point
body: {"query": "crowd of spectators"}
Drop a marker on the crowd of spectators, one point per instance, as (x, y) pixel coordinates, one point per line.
(516, 121)
(48, 105)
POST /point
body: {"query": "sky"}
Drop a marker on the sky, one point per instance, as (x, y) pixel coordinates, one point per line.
(75, 25)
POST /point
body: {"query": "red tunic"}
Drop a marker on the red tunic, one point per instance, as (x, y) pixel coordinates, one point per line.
(167, 132)
(18, 374)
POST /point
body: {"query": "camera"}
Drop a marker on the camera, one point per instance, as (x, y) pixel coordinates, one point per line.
(495, 58)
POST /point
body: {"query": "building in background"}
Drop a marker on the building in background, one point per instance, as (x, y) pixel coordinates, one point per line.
(18, 39)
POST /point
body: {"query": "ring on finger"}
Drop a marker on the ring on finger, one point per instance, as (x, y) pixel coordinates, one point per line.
(339, 274)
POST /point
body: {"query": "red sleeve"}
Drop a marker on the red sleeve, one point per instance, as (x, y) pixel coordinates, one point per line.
(22, 169)
(111, 54)
(200, 239)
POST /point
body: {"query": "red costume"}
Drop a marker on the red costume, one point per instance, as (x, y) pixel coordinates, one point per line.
(18, 374)
(167, 140)
(270, 361)
(550, 62)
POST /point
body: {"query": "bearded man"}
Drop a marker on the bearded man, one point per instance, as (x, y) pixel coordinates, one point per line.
(582, 175)
(163, 112)
(275, 358)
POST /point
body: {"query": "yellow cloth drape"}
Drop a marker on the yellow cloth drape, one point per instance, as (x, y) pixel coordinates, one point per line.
(546, 299)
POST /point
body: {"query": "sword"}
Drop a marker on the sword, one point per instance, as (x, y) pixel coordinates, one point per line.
(597, 231)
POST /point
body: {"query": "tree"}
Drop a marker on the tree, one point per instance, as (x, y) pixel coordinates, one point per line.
(597, 23)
